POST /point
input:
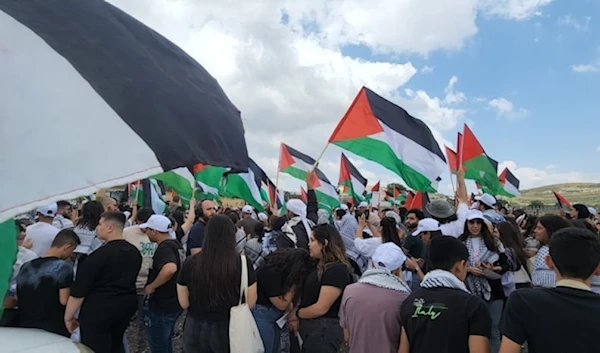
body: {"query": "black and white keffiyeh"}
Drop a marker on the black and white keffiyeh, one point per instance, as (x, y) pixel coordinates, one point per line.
(442, 279)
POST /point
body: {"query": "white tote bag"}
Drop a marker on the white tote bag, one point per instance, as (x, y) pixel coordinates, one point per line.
(243, 333)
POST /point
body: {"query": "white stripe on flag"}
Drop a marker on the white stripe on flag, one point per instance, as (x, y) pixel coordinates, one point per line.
(49, 125)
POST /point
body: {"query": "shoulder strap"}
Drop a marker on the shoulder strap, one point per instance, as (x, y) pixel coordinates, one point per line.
(244, 280)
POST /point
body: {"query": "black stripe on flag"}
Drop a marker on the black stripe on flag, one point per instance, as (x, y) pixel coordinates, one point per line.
(403, 123)
(163, 94)
(511, 179)
(308, 160)
(353, 171)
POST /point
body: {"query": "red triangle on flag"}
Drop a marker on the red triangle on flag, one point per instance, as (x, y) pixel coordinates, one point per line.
(285, 158)
(359, 121)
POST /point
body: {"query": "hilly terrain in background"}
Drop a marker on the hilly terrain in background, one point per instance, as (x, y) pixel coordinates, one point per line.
(586, 193)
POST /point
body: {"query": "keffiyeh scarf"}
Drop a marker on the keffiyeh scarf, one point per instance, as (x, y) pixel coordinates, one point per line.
(476, 284)
(442, 279)
(382, 278)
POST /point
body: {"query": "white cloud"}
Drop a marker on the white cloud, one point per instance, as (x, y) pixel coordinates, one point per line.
(291, 80)
(514, 9)
(531, 177)
(580, 25)
(585, 68)
(506, 109)
(453, 97)
(426, 69)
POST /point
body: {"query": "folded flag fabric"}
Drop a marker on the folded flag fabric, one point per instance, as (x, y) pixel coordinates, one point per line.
(78, 70)
(380, 131)
(351, 178)
(297, 164)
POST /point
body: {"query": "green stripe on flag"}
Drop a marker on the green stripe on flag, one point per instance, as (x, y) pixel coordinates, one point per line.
(8, 254)
(381, 153)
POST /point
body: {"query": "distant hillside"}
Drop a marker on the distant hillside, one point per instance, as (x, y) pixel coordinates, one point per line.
(586, 193)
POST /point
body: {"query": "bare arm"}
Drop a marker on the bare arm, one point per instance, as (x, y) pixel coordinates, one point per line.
(404, 344)
(183, 296)
(252, 295)
(481, 344)
(327, 297)
(508, 346)
(346, 335)
(165, 274)
(63, 295)
(195, 251)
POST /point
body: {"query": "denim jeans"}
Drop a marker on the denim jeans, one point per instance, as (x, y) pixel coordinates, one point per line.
(266, 321)
(159, 330)
(495, 308)
(323, 335)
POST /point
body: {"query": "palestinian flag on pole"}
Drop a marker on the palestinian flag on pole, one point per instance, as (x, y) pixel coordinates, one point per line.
(181, 180)
(510, 184)
(416, 200)
(297, 164)
(209, 179)
(452, 158)
(374, 197)
(380, 131)
(562, 201)
(351, 178)
(477, 164)
(246, 186)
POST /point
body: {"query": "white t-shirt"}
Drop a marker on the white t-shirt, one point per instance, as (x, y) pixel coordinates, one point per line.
(456, 228)
(42, 234)
(135, 236)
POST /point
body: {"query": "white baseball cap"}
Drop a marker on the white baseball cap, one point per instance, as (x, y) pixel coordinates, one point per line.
(426, 225)
(48, 210)
(363, 204)
(247, 209)
(475, 214)
(486, 199)
(344, 207)
(158, 223)
(593, 211)
(388, 256)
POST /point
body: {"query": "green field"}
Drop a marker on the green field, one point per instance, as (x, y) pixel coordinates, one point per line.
(586, 193)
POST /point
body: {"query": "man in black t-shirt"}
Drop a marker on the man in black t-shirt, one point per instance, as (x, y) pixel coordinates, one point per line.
(106, 280)
(562, 319)
(442, 316)
(44, 285)
(162, 309)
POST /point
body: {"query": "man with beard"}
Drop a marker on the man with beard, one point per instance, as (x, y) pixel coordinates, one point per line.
(206, 210)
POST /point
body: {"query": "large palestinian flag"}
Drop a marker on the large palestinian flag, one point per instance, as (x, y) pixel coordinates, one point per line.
(209, 179)
(378, 130)
(477, 164)
(351, 179)
(297, 164)
(86, 86)
(181, 180)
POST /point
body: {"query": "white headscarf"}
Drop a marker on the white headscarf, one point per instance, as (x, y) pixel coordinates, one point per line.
(298, 208)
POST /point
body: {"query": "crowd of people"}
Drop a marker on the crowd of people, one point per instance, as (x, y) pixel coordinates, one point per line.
(472, 276)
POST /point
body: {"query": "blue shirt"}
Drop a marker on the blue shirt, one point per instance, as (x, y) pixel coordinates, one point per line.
(196, 236)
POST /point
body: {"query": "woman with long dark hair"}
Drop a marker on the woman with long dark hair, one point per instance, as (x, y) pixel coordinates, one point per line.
(209, 286)
(487, 261)
(280, 279)
(518, 275)
(322, 292)
(542, 275)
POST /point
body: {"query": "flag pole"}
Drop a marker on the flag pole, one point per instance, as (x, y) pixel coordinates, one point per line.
(320, 156)
(274, 202)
